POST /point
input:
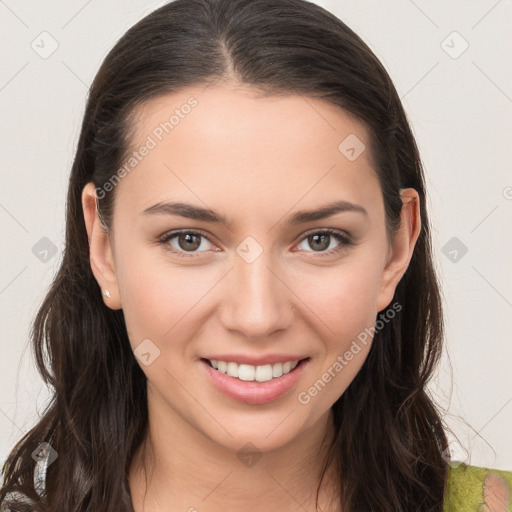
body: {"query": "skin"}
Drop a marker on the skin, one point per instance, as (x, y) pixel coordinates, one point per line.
(256, 161)
(496, 495)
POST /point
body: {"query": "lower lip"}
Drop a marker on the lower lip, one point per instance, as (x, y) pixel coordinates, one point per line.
(253, 392)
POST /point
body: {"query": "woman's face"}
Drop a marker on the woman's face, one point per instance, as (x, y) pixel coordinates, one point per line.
(253, 279)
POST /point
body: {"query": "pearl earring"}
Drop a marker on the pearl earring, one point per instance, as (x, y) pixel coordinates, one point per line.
(106, 294)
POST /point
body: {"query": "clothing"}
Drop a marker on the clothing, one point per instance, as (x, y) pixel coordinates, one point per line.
(465, 488)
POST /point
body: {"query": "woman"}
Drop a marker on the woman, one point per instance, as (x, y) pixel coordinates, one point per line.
(246, 315)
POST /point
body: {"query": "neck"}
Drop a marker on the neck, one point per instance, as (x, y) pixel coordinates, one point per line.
(176, 464)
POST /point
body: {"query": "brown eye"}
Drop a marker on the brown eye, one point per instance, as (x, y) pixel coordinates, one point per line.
(189, 241)
(319, 242)
(184, 243)
(322, 242)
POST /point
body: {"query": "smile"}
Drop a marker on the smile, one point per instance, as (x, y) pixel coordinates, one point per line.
(248, 372)
(254, 384)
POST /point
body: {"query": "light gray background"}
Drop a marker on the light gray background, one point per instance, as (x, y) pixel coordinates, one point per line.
(459, 104)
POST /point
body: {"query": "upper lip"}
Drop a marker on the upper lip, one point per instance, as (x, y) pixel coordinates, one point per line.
(256, 360)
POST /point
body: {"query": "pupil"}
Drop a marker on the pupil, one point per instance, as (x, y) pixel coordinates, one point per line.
(325, 237)
(187, 237)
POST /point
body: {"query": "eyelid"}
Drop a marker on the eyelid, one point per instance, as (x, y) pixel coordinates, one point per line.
(173, 232)
(330, 231)
(168, 235)
(344, 240)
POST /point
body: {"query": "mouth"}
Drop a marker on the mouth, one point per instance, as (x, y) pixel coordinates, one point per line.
(254, 385)
(253, 373)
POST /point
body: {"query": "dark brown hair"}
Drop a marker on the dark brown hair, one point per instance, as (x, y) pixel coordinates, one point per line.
(389, 435)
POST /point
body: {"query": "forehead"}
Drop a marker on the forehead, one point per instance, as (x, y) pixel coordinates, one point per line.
(231, 141)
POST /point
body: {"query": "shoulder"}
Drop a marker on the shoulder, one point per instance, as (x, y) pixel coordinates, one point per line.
(474, 488)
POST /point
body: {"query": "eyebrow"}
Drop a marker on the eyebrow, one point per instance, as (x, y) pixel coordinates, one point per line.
(190, 211)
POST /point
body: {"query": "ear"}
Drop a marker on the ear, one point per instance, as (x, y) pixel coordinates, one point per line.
(100, 251)
(401, 246)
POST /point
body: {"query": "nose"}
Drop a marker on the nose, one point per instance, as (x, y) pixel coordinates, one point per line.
(257, 298)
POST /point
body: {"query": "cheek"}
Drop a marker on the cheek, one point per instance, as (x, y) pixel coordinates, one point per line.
(160, 300)
(344, 302)
(344, 298)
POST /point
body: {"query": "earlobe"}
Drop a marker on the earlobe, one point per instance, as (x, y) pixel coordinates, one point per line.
(401, 247)
(100, 251)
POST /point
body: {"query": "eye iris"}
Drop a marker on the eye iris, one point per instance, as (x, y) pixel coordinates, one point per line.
(187, 237)
(315, 237)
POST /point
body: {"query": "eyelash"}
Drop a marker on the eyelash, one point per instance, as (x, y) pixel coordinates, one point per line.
(344, 239)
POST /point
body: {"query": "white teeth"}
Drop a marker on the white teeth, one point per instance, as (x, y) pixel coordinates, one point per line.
(263, 373)
(248, 372)
(277, 370)
(232, 370)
